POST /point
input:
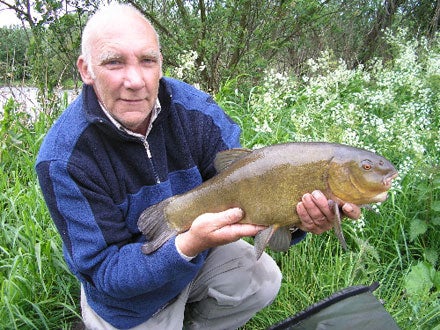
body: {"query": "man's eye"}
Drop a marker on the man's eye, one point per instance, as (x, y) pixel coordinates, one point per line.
(149, 60)
(113, 63)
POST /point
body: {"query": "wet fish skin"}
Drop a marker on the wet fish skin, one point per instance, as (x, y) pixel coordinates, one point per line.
(267, 183)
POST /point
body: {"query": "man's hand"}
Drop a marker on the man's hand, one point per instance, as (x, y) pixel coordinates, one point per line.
(214, 229)
(317, 216)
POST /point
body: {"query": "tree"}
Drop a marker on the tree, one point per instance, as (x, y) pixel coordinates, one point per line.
(230, 38)
(13, 59)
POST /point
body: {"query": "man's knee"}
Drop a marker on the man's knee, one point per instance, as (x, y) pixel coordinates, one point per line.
(269, 276)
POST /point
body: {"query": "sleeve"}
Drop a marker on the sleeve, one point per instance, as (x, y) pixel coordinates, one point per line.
(297, 236)
(219, 132)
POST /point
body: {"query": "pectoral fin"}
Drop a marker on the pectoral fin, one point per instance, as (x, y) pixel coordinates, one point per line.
(262, 239)
(281, 239)
(337, 225)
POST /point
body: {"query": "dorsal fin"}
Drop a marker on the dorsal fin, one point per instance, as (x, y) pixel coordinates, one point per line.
(225, 158)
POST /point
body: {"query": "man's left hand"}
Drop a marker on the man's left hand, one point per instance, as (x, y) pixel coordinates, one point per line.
(317, 216)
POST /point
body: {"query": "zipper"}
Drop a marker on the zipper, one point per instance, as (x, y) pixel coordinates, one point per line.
(150, 158)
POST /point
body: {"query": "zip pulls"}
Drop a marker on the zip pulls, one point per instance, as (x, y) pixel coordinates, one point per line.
(150, 158)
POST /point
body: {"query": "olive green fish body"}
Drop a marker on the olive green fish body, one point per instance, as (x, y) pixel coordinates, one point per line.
(268, 183)
(265, 199)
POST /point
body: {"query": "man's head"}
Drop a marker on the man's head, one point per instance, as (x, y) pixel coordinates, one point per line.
(121, 59)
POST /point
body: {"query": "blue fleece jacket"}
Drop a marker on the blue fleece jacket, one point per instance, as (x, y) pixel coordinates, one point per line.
(97, 179)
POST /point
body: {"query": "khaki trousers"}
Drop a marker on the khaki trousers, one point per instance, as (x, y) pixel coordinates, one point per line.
(230, 288)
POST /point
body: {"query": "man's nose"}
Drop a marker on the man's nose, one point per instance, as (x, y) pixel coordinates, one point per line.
(134, 78)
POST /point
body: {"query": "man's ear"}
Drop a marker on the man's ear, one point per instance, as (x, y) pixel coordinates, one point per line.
(83, 68)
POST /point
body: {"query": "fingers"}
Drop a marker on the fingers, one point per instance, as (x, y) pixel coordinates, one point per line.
(215, 229)
(315, 214)
(224, 224)
(228, 217)
(351, 210)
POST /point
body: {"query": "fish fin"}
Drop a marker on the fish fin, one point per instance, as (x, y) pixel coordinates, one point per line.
(154, 225)
(281, 239)
(224, 159)
(262, 239)
(337, 227)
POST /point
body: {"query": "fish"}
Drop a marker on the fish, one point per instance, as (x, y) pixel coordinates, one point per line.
(267, 183)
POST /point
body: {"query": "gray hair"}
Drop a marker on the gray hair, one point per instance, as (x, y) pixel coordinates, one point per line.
(95, 21)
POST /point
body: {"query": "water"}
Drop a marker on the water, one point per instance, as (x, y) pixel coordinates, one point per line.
(27, 97)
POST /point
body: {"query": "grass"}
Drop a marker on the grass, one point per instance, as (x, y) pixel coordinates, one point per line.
(37, 291)
(392, 108)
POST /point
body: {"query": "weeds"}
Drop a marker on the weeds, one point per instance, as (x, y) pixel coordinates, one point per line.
(391, 108)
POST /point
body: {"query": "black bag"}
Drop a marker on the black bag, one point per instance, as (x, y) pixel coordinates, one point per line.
(351, 308)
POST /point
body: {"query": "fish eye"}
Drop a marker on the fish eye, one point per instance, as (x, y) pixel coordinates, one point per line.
(367, 165)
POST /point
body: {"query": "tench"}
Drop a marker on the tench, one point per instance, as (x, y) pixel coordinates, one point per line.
(267, 184)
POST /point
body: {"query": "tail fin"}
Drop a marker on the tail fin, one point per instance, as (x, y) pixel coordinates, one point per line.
(154, 225)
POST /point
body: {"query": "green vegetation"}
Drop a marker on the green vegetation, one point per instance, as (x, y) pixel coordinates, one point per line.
(224, 38)
(384, 96)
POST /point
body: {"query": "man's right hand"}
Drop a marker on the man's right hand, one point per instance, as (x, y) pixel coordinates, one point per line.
(215, 229)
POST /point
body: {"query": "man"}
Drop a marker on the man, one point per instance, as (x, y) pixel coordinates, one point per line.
(131, 139)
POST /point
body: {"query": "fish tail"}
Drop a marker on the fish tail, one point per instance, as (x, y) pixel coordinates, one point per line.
(337, 227)
(154, 225)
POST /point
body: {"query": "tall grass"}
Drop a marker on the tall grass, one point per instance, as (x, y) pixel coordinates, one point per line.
(392, 108)
(37, 292)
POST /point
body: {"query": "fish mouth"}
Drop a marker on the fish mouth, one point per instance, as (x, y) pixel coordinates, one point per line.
(389, 178)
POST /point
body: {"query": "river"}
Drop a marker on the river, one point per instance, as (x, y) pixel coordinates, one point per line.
(27, 97)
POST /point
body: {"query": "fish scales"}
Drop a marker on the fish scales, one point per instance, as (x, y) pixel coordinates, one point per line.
(267, 184)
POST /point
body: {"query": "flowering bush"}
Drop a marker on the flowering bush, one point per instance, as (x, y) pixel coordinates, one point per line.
(391, 107)
(188, 69)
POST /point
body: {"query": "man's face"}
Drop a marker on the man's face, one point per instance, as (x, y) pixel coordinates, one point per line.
(126, 66)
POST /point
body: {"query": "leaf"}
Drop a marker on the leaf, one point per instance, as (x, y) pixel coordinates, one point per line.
(435, 206)
(418, 281)
(417, 228)
(431, 255)
(436, 280)
(435, 221)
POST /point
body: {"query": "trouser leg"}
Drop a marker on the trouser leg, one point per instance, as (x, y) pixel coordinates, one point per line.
(231, 288)
(169, 318)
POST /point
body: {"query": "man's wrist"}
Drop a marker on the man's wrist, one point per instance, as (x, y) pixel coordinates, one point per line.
(177, 243)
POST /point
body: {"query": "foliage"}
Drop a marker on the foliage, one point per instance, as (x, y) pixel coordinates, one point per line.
(229, 38)
(13, 61)
(60, 42)
(393, 109)
(36, 290)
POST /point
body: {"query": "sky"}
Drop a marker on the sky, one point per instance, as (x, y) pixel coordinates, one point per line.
(7, 17)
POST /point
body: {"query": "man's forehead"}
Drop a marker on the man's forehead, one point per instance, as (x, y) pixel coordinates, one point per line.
(125, 32)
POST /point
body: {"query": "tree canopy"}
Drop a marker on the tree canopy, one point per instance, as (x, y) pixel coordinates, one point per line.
(223, 38)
